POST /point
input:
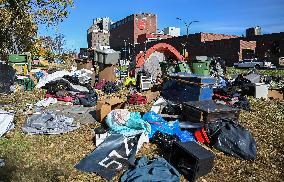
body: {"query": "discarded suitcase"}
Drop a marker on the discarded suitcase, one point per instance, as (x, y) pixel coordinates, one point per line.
(208, 111)
(191, 159)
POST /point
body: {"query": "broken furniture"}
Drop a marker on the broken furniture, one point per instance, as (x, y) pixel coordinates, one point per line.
(191, 159)
(208, 111)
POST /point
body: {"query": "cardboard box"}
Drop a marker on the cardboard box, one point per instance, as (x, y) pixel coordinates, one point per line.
(104, 107)
(275, 94)
(107, 72)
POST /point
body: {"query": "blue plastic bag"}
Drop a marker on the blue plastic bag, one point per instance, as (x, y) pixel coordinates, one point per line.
(159, 124)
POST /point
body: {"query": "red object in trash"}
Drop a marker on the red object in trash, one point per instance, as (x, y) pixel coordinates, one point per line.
(201, 136)
(137, 99)
(64, 99)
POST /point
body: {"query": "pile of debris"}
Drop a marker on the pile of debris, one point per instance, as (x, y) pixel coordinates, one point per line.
(187, 112)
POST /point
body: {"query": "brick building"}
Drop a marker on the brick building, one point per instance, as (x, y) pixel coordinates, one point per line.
(229, 47)
(151, 37)
(98, 34)
(129, 28)
(269, 46)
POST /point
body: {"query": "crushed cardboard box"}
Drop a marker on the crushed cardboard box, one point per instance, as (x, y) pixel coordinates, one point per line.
(106, 106)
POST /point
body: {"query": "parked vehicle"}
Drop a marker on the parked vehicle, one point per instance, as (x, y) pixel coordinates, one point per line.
(281, 61)
(254, 63)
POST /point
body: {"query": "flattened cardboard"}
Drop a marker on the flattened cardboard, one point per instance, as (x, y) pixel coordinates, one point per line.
(275, 94)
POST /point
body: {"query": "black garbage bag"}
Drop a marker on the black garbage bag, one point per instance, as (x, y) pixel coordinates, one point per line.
(232, 139)
(243, 103)
(110, 87)
(163, 140)
(172, 109)
(7, 77)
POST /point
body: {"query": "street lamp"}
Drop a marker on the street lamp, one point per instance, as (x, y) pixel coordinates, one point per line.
(187, 24)
(187, 29)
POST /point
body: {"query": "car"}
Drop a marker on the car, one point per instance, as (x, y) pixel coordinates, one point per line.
(281, 61)
(254, 63)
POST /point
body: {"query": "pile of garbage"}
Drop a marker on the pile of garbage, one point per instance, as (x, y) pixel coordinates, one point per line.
(188, 112)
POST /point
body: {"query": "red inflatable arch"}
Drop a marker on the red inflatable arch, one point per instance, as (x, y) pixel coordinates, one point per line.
(160, 47)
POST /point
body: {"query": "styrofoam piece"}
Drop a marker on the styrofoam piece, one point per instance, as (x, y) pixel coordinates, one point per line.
(261, 90)
(6, 122)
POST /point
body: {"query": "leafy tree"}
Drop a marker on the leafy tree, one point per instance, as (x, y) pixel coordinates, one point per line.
(19, 20)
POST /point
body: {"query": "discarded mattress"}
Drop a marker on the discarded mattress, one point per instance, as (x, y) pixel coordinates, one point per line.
(6, 122)
(49, 123)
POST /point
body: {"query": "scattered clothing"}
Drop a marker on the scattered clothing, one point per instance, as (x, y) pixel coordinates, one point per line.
(46, 102)
(84, 76)
(88, 100)
(156, 170)
(63, 84)
(50, 77)
(137, 99)
(49, 123)
(6, 122)
(110, 87)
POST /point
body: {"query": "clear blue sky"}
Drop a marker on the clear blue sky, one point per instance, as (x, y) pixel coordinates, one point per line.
(215, 16)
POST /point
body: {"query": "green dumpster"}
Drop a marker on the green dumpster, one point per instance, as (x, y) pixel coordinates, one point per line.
(20, 59)
(201, 68)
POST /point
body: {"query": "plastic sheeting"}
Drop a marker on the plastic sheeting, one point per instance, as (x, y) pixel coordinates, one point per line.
(116, 153)
(49, 123)
(132, 126)
(6, 122)
(172, 128)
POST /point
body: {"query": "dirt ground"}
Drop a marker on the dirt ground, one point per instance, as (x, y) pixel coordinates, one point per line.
(52, 158)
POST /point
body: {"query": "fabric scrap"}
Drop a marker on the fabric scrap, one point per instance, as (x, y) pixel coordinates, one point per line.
(156, 170)
(49, 123)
